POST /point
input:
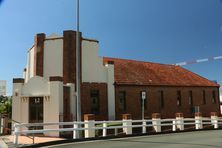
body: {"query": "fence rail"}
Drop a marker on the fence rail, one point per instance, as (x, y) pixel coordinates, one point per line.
(89, 127)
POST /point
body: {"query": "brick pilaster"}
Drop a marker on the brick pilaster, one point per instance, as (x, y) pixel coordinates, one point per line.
(39, 54)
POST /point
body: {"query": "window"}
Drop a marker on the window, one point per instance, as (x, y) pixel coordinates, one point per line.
(141, 100)
(122, 100)
(204, 97)
(190, 98)
(161, 99)
(95, 102)
(213, 96)
(178, 98)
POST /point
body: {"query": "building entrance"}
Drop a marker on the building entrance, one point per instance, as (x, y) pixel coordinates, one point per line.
(36, 110)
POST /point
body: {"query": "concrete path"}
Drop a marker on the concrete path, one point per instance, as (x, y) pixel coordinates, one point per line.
(199, 139)
(7, 141)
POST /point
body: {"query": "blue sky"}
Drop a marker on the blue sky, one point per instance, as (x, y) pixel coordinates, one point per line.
(163, 31)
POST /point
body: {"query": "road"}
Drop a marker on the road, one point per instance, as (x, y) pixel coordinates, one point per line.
(199, 139)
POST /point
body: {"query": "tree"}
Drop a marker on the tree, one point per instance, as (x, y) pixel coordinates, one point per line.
(6, 105)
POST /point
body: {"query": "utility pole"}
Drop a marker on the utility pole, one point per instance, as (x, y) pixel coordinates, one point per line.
(78, 66)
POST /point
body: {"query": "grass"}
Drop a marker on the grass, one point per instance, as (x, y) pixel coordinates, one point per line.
(98, 131)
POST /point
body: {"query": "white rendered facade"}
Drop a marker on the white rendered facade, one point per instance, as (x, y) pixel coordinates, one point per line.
(49, 86)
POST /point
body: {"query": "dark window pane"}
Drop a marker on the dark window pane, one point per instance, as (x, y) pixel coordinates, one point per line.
(122, 100)
(95, 108)
(190, 98)
(178, 98)
(204, 97)
(213, 96)
(161, 99)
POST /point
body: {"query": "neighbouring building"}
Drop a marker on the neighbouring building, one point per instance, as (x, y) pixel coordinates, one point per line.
(2, 87)
(170, 89)
(110, 87)
(221, 101)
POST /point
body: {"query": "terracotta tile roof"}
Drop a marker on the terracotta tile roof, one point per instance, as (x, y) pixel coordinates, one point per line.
(146, 73)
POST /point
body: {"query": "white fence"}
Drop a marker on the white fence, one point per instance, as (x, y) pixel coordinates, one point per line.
(89, 127)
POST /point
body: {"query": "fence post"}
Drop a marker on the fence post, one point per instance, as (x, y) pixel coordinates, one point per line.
(2, 124)
(144, 126)
(116, 131)
(75, 132)
(156, 120)
(198, 121)
(180, 121)
(89, 120)
(127, 121)
(214, 119)
(104, 129)
(16, 135)
(174, 125)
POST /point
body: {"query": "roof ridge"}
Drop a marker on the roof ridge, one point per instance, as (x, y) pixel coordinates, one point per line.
(139, 61)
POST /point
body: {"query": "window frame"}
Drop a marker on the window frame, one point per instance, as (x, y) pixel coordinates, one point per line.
(179, 102)
(204, 97)
(122, 104)
(190, 97)
(161, 99)
(214, 99)
(95, 110)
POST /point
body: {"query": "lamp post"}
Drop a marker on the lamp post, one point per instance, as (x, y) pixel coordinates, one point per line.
(78, 70)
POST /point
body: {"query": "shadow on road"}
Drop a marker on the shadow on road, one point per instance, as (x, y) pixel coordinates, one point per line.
(164, 143)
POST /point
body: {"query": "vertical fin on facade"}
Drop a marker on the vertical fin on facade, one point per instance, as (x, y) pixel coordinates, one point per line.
(39, 54)
(69, 56)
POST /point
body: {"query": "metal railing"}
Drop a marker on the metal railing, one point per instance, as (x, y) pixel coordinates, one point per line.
(89, 127)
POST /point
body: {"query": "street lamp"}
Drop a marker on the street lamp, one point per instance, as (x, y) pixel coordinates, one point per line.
(78, 72)
(78, 62)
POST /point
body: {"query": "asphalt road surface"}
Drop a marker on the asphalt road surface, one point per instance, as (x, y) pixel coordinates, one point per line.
(199, 139)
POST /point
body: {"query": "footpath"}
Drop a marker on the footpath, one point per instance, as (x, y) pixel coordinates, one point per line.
(7, 141)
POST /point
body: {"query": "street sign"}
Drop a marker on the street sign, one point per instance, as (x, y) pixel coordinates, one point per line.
(143, 95)
(2, 88)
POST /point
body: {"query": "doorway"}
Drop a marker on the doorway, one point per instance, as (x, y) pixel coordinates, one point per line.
(36, 110)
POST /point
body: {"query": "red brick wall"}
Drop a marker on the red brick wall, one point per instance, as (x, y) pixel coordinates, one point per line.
(66, 104)
(86, 99)
(170, 101)
(69, 56)
(39, 54)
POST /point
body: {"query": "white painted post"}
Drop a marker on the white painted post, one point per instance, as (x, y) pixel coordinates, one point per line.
(214, 119)
(16, 135)
(180, 121)
(89, 120)
(156, 120)
(174, 125)
(198, 121)
(144, 127)
(75, 132)
(116, 131)
(104, 129)
(127, 121)
(2, 124)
